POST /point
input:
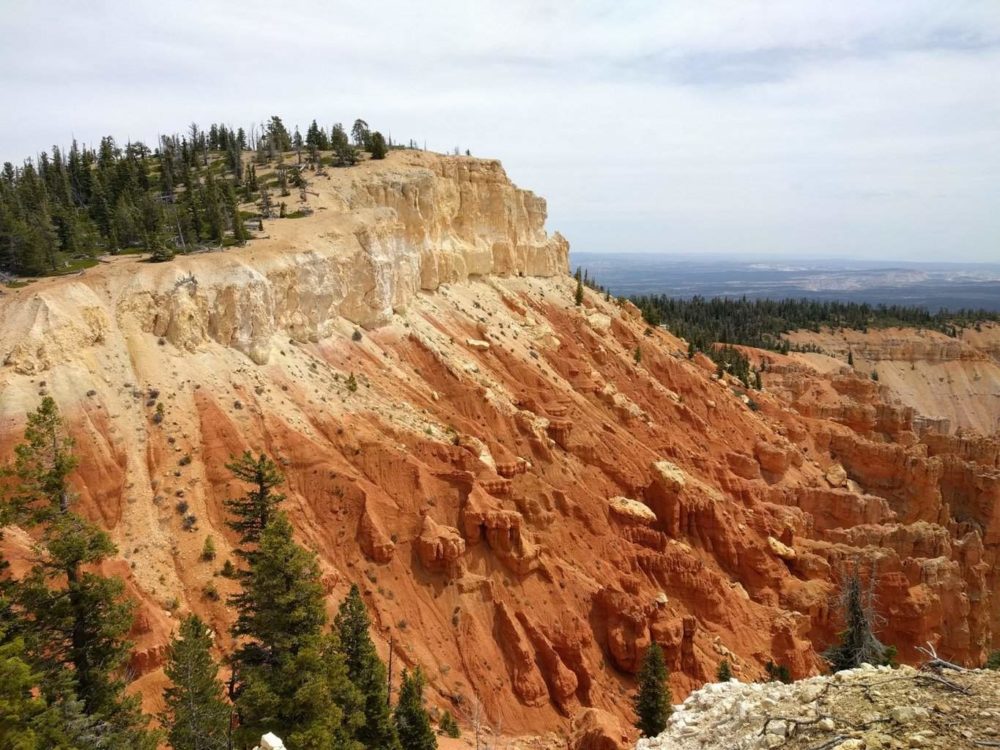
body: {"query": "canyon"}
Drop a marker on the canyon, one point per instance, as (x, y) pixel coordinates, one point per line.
(528, 491)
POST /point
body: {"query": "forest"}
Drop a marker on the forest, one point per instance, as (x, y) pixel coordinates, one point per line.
(64, 628)
(761, 322)
(64, 208)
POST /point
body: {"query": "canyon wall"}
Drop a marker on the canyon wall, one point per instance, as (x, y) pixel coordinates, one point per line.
(525, 502)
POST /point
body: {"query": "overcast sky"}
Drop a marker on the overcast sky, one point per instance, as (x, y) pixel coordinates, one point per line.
(852, 128)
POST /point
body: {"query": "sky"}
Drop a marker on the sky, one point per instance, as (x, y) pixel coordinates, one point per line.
(852, 129)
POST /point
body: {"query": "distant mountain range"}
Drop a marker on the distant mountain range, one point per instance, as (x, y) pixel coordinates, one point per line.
(932, 285)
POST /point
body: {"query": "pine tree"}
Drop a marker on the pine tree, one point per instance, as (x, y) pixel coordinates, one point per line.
(724, 673)
(413, 725)
(367, 672)
(578, 298)
(652, 702)
(379, 147)
(448, 726)
(30, 717)
(196, 716)
(291, 677)
(74, 620)
(252, 512)
(850, 358)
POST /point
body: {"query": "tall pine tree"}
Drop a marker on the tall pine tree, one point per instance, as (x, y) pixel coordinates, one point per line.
(413, 725)
(196, 715)
(74, 621)
(291, 677)
(252, 512)
(367, 672)
(652, 703)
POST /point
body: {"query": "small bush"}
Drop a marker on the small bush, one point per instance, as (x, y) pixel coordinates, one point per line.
(228, 569)
(352, 383)
(181, 507)
(189, 522)
(993, 662)
(777, 672)
(356, 336)
(448, 726)
(724, 673)
(210, 592)
(185, 460)
(208, 549)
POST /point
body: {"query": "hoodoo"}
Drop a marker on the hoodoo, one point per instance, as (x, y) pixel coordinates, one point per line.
(525, 503)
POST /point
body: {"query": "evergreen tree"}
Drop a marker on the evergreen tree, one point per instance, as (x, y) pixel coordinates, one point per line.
(367, 672)
(652, 702)
(850, 358)
(196, 716)
(448, 726)
(413, 725)
(578, 298)
(724, 672)
(74, 621)
(252, 512)
(379, 148)
(30, 718)
(291, 677)
(361, 134)
(346, 153)
(637, 355)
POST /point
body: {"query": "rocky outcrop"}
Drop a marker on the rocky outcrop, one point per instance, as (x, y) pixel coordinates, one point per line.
(520, 502)
(851, 710)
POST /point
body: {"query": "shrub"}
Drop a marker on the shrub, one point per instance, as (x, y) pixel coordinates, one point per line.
(993, 662)
(181, 507)
(356, 336)
(189, 522)
(777, 672)
(352, 383)
(228, 569)
(724, 673)
(208, 549)
(448, 726)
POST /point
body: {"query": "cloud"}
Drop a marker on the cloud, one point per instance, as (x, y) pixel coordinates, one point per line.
(718, 126)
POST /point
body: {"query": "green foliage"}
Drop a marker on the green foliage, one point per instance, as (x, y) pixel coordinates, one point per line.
(578, 297)
(61, 210)
(196, 715)
(448, 726)
(208, 549)
(724, 673)
(652, 702)
(73, 621)
(413, 725)
(379, 148)
(252, 512)
(366, 671)
(993, 661)
(352, 383)
(291, 676)
(761, 323)
(777, 672)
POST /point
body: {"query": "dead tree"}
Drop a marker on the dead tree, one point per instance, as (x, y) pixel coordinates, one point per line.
(858, 643)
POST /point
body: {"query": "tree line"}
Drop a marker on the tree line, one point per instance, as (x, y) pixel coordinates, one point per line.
(761, 323)
(64, 628)
(63, 208)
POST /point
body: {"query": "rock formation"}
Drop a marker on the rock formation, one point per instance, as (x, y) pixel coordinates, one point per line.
(524, 507)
